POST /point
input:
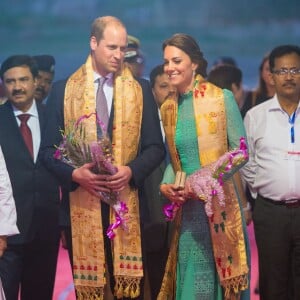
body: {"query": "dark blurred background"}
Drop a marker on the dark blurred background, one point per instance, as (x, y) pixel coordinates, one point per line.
(243, 29)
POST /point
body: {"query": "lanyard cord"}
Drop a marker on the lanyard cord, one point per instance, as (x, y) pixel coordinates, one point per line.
(292, 122)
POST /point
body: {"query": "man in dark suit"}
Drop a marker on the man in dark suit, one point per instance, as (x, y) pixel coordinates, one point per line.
(29, 263)
(77, 97)
(157, 232)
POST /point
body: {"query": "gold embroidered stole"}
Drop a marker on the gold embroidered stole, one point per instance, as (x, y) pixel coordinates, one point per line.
(85, 209)
(168, 112)
(226, 226)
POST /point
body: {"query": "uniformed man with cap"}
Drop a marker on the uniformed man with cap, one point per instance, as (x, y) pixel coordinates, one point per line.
(134, 57)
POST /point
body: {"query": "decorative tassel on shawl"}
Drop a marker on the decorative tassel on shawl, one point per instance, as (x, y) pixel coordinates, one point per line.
(86, 293)
(127, 287)
(234, 286)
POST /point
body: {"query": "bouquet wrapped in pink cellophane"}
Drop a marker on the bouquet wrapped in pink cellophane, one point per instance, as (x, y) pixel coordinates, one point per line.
(75, 151)
(207, 183)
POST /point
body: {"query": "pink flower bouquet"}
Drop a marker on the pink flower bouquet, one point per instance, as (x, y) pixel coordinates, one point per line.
(75, 151)
(208, 181)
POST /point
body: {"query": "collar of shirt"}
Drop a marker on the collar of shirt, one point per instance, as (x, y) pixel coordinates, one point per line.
(109, 80)
(31, 111)
(275, 105)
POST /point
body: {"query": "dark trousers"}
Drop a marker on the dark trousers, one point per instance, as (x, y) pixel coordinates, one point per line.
(156, 237)
(30, 267)
(156, 263)
(277, 233)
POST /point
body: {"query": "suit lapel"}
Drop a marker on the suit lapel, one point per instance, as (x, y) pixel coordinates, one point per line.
(111, 121)
(41, 113)
(14, 130)
(11, 134)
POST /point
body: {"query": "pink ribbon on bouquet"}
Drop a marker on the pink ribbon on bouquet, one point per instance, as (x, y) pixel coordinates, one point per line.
(120, 211)
(170, 210)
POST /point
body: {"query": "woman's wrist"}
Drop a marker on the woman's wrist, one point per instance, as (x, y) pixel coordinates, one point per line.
(161, 188)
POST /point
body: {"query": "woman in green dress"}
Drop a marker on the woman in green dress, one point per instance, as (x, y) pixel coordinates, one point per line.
(209, 256)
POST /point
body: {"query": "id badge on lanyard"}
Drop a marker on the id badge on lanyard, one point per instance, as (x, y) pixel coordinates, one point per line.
(292, 155)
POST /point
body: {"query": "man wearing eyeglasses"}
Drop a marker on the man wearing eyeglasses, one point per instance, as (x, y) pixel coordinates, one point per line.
(273, 174)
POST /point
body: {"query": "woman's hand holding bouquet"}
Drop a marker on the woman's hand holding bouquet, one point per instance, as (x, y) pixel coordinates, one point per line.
(206, 183)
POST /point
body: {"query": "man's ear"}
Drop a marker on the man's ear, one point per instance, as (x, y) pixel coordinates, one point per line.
(93, 43)
(271, 78)
(234, 88)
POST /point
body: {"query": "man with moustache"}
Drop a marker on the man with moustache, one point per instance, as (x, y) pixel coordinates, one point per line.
(46, 68)
(273, 174)
(29, 263)
(157, 245)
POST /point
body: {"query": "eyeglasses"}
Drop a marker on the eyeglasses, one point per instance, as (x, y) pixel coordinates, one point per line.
(284, 72)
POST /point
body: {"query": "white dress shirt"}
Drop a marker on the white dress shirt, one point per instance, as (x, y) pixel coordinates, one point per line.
(273, 170)
(161, 126)
(34, 125)
(8, 215)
